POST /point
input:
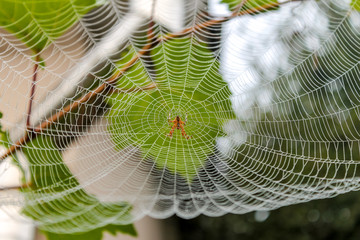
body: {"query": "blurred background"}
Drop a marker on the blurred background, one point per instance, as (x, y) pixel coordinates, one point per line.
(335, 218)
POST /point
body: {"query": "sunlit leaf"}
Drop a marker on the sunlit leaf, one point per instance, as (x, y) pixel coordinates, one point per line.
(183, 88)
(251, 4)
(38, 23)
(96, 234)
(355, 4)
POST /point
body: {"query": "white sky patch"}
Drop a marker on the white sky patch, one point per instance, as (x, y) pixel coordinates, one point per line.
(253, 43)
(253, 54)
(218, 9)
(13, 228)
(238, 56)
(170, 13)
(9, 175)
(355, 20)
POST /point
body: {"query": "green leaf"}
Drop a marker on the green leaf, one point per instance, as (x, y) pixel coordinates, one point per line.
(135, 78)
(96, 234)
(40, 62)
(183, 88)
(251, 4)
(355, 4)
(126, 229)
(38, 23)
(2, 133)
(57, 201)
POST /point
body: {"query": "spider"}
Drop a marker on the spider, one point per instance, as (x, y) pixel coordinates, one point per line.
(178, 124)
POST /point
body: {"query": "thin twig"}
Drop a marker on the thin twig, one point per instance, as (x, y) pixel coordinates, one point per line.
(45, 124)
(238, 8)
(32, 91)
(134, 89)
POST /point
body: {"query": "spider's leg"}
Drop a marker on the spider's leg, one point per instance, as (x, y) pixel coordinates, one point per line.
(172, 131)
(184, 133)
(169, 119)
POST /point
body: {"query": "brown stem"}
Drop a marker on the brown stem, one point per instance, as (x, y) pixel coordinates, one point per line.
(32, 91)
(76, 103)
(135, 89)
(238, 8)
(118, 74)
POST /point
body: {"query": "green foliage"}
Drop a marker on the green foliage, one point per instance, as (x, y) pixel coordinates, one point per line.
(183, 87)
(41, 62)
(38, 23)
(355, 4)
(250, 4)
(96, 234)
(59, 204)
(2, 133)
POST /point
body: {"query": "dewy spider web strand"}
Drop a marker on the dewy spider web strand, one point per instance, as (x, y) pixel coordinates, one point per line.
(286, 134)
(98, 90)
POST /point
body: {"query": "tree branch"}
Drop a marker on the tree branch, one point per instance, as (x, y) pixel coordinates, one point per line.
(45, 124)
(238, 8)
(100, 89)
(32, 91)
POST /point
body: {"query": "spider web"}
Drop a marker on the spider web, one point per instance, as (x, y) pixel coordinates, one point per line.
(287, 134)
